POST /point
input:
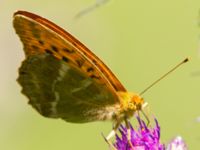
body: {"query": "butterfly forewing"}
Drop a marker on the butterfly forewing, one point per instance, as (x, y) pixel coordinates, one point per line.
(40, 30)
(60, 76)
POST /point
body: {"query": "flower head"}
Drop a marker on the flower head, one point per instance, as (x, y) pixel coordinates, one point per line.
(144, 138)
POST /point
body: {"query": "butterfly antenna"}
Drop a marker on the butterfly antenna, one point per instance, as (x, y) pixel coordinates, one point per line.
(163, 76)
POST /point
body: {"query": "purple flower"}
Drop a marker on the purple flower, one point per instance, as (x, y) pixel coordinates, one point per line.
(144, 138)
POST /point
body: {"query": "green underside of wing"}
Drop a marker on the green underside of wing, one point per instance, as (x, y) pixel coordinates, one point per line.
(57, 90)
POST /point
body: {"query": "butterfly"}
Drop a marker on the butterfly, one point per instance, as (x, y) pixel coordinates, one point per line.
(63, 79)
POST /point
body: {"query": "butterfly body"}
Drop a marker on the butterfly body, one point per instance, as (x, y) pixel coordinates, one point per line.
(64, 79)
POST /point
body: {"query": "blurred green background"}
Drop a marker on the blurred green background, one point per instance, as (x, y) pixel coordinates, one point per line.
(138, 40)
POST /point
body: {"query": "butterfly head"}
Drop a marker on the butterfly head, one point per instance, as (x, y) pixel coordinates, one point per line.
(136, 102)
(130, 103)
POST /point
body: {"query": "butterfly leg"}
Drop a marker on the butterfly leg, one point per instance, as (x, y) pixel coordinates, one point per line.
(145, 105)
(146, 117)
(144, 113)
(110, 135)
(129, 134)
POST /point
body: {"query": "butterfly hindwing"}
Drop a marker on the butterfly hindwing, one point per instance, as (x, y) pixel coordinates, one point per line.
(64, 92)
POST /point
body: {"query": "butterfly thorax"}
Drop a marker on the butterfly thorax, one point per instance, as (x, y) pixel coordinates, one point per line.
(129, 104)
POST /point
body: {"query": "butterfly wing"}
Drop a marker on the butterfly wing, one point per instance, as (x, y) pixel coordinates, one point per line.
(60, 76)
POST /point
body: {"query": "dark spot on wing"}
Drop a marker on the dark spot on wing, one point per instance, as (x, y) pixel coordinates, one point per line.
(68, 51)
(90, 69)
(41, 42)
(65, 59)
(94, 61)
(54, 48)
(94, 77)
(48, 51)
(80, 62)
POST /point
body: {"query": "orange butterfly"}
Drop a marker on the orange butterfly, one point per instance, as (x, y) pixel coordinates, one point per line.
(63, 79)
